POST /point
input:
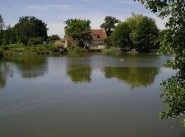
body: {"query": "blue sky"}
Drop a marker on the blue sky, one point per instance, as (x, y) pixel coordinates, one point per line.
(55, 12)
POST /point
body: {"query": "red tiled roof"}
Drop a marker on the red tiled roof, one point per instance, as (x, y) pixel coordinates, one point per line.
(98, 34)
(68, 38)
(62, 40)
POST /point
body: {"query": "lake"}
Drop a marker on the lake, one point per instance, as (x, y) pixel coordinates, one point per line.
(89, 96)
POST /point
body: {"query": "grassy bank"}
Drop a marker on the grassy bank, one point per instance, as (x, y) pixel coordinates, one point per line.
(22, 50)
(19, 50)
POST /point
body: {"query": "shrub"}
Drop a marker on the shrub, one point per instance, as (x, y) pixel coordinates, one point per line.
(58, 47)
(111, 50)
(5, 47)
(76, 49)
(35, 41)
(1, 53)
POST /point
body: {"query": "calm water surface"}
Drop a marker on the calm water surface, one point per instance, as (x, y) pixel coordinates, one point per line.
(92, 96)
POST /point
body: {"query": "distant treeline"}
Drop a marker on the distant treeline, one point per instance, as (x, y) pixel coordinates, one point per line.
(137, 33)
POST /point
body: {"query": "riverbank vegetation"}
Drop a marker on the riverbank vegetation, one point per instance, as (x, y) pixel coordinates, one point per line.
(137, 33)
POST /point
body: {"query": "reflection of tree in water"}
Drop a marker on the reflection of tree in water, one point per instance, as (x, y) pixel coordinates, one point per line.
(79, 73)
(134, 76)
(31, 67)
(4, 72)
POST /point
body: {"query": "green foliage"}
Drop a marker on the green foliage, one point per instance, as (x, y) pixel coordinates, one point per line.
(174, 93)
(1, 53)
(120, 37)
(5, 47)
(29, 28)
(133, 23)
(109, 24)
(138, 32)
(2, 23)
(58, 48)
(7, 36)
(35, 41)
(111, 51)
(17, 50)
(172, 42)
(53, 38)
(147, 34)
(79, 30)
(75, 49)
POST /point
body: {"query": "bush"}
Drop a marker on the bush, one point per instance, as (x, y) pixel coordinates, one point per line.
(1, 53)
(112, 51)
(58, 48)
(76, 49)
(5, 47)
(35, 41)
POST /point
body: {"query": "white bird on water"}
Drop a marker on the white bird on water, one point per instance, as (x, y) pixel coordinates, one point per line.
(122, 59)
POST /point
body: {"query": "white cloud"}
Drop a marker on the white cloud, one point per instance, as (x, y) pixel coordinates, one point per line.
(46, 7)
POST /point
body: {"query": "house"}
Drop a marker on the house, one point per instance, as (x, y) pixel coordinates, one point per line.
(98, 36)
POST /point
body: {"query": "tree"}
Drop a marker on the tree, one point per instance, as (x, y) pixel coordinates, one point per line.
(2, 23)
(147, 34)
(133, 23)
(78, 29)
(174, 42)
(29, 28)
(53, 38)
(109, 24)
(120, 37)
(144, 32)
(8, 36)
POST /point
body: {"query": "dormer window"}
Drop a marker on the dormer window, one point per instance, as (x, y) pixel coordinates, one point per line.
(96, 36)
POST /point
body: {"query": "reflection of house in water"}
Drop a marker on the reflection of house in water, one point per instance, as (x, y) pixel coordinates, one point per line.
(97, 39)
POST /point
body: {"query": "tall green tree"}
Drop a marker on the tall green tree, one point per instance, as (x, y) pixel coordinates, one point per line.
(133, 23)
(173, 42)
(144, 32)
(147, 34)
(30, 28)
(78, 29)
(109, 24)
(120, 37)
(2, 25)
(9, 36)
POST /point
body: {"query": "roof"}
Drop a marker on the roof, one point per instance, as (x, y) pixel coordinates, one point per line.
(98, 34)
(62, 40)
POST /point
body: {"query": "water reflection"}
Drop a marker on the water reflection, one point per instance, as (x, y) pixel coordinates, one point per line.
(79, 73)
(30, 67)
(5, 71)
(80, 69)
(134, 76)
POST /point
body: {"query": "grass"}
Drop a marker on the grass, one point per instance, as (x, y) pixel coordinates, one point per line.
(11, 50)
